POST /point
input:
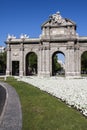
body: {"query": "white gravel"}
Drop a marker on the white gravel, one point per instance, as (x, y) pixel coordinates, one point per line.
(72, 91)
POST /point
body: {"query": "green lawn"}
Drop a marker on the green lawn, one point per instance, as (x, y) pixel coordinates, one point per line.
(41, 111)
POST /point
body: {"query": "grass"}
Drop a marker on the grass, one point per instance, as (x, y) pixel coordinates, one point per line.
(42, 111)
(84, 75)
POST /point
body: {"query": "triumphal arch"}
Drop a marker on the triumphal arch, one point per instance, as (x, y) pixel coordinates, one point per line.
(58, 35)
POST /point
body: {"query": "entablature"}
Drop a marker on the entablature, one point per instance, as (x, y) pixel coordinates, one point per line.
(19, 41)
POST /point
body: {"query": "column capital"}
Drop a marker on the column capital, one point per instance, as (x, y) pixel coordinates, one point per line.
(8, 48)
(22, 47)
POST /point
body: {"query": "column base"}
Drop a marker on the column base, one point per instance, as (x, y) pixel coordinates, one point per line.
(8, 73)
(21, 73)
(43, 74)
(73, 75)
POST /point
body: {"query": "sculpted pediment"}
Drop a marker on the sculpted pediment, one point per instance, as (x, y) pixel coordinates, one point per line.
(58, 26)
(58, 20)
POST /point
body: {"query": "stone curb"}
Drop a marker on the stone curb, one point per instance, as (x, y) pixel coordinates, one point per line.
(11, 117)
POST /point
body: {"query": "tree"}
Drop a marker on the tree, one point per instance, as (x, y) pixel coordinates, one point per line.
(55, 66)
(32, 63)
(2, 63)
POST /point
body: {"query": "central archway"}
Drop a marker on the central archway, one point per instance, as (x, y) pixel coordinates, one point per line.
(58, 63)
(31, 64)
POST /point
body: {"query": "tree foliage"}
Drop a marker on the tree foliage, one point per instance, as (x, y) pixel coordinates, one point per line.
(2, 63)
(55, 66)
(32, 63)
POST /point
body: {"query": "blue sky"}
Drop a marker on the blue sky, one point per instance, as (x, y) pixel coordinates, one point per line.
(26, 16)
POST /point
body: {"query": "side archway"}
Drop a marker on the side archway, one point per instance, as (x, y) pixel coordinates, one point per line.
(58, 63)
(31, 64)
(84, 63)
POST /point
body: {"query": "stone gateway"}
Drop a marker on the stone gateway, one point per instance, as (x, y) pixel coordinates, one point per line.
(58, 35)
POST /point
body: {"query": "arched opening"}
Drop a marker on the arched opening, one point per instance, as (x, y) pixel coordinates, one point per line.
(84, 63)
(15, 68)
(31, 64)
(58, 64)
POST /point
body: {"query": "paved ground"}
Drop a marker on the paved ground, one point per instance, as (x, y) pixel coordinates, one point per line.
(11, 118)
(2, 98)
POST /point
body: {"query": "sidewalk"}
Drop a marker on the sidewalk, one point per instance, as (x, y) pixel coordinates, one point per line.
(11, 118)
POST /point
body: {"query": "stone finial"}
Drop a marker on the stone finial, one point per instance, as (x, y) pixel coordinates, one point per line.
(24, 36)
(10, 37)
(58, 12)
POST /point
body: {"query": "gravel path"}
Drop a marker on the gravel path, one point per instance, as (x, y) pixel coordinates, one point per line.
(72, 91)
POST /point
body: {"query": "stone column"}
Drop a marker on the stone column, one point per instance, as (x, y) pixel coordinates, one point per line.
(77, 62)
(47, 50)
(70, 62)
(24, 63)
(9, 62)
(44, 62)
(40, 62)
(21, 70)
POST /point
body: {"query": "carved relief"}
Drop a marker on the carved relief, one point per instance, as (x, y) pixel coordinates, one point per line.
(57, 18)
(15, 54)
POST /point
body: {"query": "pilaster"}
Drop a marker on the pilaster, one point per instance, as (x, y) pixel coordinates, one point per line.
(44, 61)
(72, 62)
(70, 65)
(40, 61)
(21, 70)
(77, 61)
(9, 63)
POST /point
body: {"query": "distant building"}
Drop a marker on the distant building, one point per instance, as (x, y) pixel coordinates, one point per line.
(2, 49)
(61, 63)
